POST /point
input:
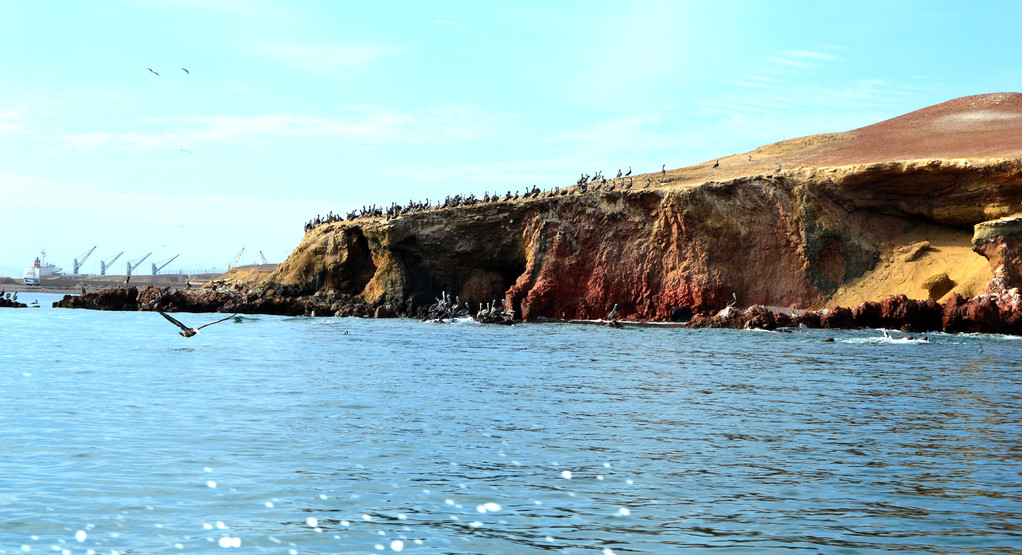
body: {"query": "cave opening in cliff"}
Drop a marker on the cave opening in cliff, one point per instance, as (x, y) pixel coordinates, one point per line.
(357, 269)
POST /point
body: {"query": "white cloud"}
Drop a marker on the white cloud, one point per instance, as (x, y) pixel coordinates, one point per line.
(9, 121)
(364, 124)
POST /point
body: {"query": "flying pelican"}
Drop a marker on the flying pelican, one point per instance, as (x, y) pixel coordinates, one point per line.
(187, 331)
(153, 72)
(186, 71)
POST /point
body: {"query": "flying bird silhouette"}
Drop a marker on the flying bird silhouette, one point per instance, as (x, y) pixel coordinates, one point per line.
(186, 71)
(187, 331)
(153, 72)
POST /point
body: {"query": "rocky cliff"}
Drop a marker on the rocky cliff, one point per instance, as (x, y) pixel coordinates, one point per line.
(788, 224)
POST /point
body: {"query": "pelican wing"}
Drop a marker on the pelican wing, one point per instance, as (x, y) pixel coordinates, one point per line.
(216, 321)
(175, 322)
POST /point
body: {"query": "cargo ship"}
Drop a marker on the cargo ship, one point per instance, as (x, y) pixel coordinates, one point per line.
(41, 268)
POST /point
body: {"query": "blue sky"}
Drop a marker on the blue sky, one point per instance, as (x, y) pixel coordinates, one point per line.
(297, 108)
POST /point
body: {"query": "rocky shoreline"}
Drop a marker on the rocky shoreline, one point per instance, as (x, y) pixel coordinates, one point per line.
(999, 313)
(988, 313)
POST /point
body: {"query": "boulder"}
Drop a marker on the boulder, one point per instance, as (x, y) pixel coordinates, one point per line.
(838, 317)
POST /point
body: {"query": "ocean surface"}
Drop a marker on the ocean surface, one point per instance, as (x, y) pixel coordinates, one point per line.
(284, 435)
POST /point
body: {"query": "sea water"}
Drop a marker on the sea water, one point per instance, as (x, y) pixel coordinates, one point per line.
(270, 434)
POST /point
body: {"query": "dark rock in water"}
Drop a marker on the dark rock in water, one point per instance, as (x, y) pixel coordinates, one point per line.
(196, 300)
(868, 315)
(8, 303)
(977, 315)
(384, 312)
(839, 317)
(827, 340)
(783, 319)
(759, 317)
(900, 310)
(681, 314)
(808, 319)
(123, 298)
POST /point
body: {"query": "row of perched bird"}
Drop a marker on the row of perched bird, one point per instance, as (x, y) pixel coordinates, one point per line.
(446, 309)
(586, 183)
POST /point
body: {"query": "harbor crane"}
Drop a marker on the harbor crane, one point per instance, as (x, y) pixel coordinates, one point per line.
(84, 258)
(156, 269)
(104, 264)
(135, 264)
(236, 259)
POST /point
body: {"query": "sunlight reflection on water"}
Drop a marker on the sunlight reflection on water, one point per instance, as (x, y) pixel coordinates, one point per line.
(285, 434)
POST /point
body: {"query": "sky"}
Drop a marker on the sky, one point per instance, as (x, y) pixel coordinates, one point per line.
(290, 109)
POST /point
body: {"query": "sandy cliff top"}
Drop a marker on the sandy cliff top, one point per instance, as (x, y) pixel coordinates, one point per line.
(981, 126)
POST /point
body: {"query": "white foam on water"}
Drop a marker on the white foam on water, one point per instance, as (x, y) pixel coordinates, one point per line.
(566, 474)
(81, 535)
(228, 541)
(397, 545)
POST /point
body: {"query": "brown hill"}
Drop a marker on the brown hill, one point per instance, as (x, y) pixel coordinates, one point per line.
(980, 126)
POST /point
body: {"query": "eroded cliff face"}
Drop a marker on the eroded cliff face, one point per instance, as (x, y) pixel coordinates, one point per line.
(787, 224)
(785, 239)
(1000, 241)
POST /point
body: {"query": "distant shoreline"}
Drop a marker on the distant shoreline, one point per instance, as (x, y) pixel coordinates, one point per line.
(72, 284)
